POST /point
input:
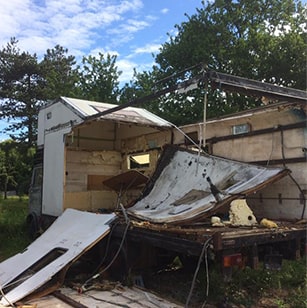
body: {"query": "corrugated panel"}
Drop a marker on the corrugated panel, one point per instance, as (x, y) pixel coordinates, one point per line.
(180, 192)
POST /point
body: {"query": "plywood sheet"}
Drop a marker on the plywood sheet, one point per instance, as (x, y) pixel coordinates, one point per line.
(69, 236)
(90, 200)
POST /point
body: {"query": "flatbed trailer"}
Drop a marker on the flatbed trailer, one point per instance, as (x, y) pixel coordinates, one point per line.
(229, 246)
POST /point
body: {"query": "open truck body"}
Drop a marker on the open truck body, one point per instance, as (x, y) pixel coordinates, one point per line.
(75, 156)
(99, 157)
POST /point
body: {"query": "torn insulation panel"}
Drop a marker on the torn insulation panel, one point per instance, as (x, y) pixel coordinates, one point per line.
(240, 214)
(188, 186)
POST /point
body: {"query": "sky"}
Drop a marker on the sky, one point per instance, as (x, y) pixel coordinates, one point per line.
(132, 30)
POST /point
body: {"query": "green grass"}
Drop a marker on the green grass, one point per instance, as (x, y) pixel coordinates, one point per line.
(13, 228)
(284, 288)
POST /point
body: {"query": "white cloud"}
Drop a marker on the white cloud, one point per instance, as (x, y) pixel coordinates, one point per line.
(127, 67)
(83, 26)
(164, 11)
(95, 52)
(75, 24)
(148, 48)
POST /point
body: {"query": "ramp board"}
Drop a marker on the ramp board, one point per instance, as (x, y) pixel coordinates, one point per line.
(68, 238)
(179, 191)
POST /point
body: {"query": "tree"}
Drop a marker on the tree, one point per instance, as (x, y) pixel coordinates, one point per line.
(25, 84)
(262, 40)
(60, 73)
(99, 78)
(15, 166)
(21, 91)
(8, 170)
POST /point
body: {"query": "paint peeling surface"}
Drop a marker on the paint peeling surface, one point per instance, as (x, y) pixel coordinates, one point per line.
(180, 191)
(68, 237)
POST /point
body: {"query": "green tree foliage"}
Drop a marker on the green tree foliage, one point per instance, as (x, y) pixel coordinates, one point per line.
(21, 91)
(244, 38)
(60, 73)
(99, 78)
(262, 40)
(26, 83)
(15, 166)
(142, 85)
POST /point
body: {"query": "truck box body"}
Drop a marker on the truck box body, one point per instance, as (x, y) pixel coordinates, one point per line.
(80, 154)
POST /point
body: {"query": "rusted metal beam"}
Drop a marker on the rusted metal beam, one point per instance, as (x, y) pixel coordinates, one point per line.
(256, 88)
(258, 132)
(221, 81)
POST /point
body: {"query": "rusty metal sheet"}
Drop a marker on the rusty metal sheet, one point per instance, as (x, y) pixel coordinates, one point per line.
(180, 192)
(73, 233)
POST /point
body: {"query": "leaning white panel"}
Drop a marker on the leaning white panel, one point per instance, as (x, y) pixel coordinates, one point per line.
(179, 192)
(72, 233)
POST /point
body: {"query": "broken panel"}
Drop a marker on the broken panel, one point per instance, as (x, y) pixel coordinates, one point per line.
(188, 186)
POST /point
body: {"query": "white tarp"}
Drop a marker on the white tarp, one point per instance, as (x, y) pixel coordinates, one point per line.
(71, 234)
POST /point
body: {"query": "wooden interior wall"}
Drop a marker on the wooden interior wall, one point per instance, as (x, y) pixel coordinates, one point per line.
(85, 173)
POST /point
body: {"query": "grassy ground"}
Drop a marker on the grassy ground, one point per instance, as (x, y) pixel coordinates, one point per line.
(13, 229)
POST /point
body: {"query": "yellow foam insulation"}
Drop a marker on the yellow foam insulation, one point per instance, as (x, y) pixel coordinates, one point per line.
(240, 214)
(268, 223)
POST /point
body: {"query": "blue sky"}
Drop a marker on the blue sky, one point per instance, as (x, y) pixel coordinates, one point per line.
(131, 29)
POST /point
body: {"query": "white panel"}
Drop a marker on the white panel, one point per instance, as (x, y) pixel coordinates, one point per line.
(73, 232)
(181, 191)
(53, 183)
(52, 116)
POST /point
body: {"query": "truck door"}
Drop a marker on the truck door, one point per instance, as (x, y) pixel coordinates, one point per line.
(35, 192)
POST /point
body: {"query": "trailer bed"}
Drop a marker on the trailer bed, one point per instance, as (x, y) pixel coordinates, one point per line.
(190, 240)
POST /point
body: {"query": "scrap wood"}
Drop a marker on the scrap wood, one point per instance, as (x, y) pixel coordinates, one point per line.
(171, 228)
(105, 285)
(68, 300)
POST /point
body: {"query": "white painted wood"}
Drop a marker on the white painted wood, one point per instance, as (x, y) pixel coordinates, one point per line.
(74, 231)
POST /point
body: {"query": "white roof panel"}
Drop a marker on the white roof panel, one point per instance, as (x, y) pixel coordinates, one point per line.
(129, 114)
